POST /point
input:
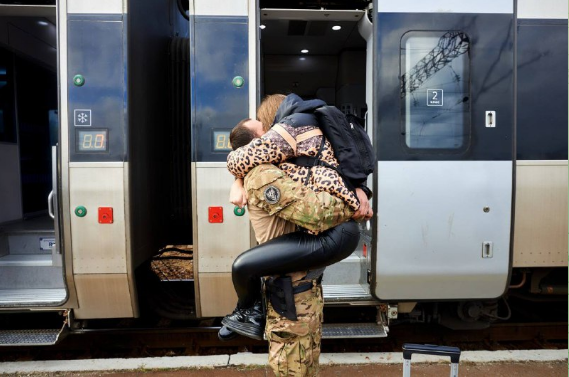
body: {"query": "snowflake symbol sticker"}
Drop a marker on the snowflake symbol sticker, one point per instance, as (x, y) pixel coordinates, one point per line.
(82, 117)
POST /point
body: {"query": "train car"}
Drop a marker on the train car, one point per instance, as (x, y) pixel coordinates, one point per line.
(114, 124)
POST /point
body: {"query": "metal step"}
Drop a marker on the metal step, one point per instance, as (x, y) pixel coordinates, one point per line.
(37, 337)
(32, 296)
(31, 242)
(26, 260)
(43, 337)
(346, 293)
(31, 277)
(42, 223)
(353, 330)
(29, 236)
(347, 271)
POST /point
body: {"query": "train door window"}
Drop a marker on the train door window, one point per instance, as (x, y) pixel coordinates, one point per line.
(435, 87)
(7, 125)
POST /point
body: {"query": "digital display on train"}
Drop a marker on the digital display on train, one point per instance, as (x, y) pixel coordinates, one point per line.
(221, 141)
(92, 140)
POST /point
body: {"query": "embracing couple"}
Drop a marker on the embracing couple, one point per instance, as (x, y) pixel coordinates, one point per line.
(303, 212)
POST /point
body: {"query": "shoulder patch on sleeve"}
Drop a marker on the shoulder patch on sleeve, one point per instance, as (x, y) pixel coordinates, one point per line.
(272, 195)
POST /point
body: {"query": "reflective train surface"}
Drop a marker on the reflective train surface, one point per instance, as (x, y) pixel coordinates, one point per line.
(114, 124)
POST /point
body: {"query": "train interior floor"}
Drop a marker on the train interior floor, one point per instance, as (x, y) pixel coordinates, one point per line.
(30, 268)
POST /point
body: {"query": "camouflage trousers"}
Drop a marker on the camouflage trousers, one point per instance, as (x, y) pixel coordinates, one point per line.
(294, 346)
(271, 190)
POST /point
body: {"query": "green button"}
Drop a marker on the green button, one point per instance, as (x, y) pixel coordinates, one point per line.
(80, 211)
(78, 80)
(239, 211)
(238, 81)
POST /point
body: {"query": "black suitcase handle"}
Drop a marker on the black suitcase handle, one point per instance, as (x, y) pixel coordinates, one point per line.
(428, 349)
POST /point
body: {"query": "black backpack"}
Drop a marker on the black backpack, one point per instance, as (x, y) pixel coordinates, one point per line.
(350, 142)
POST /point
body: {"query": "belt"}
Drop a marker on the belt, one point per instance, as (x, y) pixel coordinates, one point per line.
(305, 286)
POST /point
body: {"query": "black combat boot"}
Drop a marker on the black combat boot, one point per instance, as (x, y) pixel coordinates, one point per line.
(248, 322)
(224, 334)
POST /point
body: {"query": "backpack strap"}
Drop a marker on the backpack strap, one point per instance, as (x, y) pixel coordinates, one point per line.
(306, 161)
(311, 161)
(316, 160)
(285, 135)
(299, 138)
(307, 135)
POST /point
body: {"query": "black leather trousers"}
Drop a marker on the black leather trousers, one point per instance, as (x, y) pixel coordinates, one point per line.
(291, 252)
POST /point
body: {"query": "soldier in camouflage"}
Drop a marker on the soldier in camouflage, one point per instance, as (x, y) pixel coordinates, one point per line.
(276, 203)
(294, 346)
(276, 199)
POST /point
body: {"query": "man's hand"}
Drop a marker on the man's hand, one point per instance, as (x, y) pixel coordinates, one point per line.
(237, 194)
(364, 212)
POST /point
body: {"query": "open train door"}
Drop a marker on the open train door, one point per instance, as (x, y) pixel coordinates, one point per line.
(444, 127)
(223, 57)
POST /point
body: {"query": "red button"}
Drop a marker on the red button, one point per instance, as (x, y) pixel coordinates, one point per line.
(215, 214)
(105, 215)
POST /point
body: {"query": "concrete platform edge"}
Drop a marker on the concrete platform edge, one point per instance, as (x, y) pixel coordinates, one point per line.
(249, 359)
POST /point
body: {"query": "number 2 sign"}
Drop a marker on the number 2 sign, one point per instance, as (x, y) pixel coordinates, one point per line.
(434, 97)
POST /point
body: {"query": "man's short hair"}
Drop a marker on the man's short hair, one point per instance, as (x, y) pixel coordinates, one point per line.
(241, 135)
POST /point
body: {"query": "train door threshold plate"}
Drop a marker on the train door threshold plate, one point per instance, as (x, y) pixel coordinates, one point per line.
(33, 337)
(353, 330)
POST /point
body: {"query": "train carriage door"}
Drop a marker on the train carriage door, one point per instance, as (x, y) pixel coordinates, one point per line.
(443, 89)
(31, 272)
(222, 78)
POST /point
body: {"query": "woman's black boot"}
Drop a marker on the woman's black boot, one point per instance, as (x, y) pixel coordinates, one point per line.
(224, 334)
(248, 322)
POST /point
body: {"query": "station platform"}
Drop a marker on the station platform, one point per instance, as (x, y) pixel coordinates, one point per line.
(524, 363)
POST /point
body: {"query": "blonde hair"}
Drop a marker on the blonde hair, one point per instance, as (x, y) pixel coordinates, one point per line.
(268, 109)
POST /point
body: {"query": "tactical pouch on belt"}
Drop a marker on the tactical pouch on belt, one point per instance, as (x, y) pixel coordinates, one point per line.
(281, 296)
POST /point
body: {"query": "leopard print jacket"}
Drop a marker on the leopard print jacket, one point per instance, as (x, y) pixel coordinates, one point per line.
(272, 148)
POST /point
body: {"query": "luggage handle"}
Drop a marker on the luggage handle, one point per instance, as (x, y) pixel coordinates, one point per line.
(429, 349)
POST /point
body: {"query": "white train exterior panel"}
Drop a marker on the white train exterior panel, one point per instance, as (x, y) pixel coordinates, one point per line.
(96, 7)
(219, 7)
(432, 227)
(550, 9)
(446, 6)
